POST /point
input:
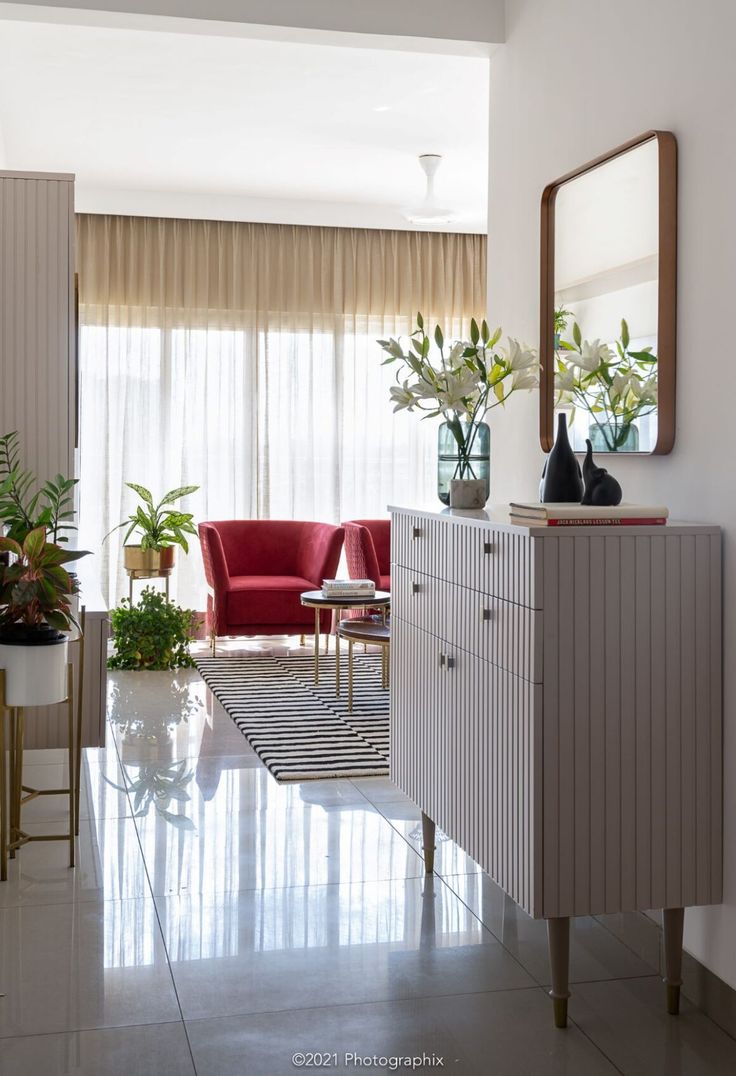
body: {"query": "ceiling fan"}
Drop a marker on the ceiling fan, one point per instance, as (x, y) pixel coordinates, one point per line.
(429, 211)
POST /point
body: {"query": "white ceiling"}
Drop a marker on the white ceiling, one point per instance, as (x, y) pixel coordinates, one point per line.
(203, 125)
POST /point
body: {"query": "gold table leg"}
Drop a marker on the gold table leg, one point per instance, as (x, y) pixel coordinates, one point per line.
(72, 763)
(350, 676)
(3, 787)
(316, 644)
(11, 778)
(80, 697)
(337, 662)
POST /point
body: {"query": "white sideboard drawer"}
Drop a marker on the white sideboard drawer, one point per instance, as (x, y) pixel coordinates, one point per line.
(506, 634)
(502, 563)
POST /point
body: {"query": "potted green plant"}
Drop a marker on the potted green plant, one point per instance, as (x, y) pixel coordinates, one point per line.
(23, 507)
(35, 615)
(161, 528)
(461, 382)
(154, 634)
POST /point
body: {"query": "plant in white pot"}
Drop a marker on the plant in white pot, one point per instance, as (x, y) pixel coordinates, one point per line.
(161, 528)
(35, 616)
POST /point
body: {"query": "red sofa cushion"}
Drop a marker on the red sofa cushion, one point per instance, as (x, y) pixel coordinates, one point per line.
(268, 599)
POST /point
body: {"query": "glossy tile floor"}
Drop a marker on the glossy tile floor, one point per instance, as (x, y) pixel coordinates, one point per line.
(220, 923)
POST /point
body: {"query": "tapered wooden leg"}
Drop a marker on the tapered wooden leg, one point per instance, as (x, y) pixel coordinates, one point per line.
(558, 938)
(673, 922)
(302, 639)
(213, 641)
(428, 845)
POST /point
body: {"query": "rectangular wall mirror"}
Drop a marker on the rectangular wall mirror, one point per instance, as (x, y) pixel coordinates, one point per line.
(609, 296)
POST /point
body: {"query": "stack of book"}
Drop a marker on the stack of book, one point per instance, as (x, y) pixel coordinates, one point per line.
(583, 515)
(348, 588)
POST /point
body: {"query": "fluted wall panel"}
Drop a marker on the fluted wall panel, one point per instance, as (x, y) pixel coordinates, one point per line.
(37, 318)
(38, 387)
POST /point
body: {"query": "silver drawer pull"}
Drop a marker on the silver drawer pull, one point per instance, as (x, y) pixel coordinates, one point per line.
(414, 587)
(443, 659)
(487, 547)
(486, 614)
(416, 532)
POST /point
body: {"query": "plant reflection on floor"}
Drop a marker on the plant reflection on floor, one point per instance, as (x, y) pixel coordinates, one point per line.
(159, 783)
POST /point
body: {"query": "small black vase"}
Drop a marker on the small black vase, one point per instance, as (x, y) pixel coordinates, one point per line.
(562, 479)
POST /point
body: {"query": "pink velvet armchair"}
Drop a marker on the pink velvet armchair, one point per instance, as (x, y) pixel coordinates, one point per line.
(368, 550)
(257, 569)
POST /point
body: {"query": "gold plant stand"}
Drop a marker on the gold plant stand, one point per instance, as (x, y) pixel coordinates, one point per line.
(14, 794)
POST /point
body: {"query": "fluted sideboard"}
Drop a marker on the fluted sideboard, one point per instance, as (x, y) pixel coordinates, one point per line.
(556, 710)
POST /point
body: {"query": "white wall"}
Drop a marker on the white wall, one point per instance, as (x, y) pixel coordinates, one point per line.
(576, 78)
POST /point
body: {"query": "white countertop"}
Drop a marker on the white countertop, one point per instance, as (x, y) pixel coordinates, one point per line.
(498, 516)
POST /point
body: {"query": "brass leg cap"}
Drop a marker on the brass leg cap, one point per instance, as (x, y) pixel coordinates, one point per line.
(673, 999)
(560, 1010)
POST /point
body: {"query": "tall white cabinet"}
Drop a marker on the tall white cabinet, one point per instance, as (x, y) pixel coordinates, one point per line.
(38, 390)
(556, 710)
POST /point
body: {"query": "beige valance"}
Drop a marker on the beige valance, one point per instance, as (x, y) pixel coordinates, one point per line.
(190, 268)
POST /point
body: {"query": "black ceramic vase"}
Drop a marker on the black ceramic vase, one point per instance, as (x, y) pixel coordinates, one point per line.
(562, 479)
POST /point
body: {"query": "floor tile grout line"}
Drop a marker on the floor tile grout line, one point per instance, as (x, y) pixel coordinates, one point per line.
(367, 1001)
(89, 1030)
(156, 912)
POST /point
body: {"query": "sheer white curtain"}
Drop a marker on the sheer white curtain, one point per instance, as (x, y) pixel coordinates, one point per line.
(243, 358)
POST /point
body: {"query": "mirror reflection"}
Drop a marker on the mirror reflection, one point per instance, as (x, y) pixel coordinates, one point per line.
(606, 301)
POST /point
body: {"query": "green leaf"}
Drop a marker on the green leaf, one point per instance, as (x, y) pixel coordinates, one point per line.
(438, 337)
(142, 492)
(576, 334)
(34, 543)
(474, 331)
(420, 321)
(484, 332)
(7, 545)
(57, 620)
(175, 494)
(624, 334)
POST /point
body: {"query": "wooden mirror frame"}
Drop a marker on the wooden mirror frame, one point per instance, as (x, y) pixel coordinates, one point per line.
(666, 295)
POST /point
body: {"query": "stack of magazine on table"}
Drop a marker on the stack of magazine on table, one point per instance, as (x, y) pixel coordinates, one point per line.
(584, 515)
(348, 588)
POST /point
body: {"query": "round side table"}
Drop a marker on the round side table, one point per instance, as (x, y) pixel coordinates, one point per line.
(314, 599)
(365, 630)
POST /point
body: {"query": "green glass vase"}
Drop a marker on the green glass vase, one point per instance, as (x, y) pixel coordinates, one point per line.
(452, 462)
(604, 438)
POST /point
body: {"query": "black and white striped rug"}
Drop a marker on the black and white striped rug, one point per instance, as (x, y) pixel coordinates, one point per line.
(299, 729)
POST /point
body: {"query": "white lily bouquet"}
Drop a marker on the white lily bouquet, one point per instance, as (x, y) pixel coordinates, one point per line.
(615, 387)
(461, 381)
